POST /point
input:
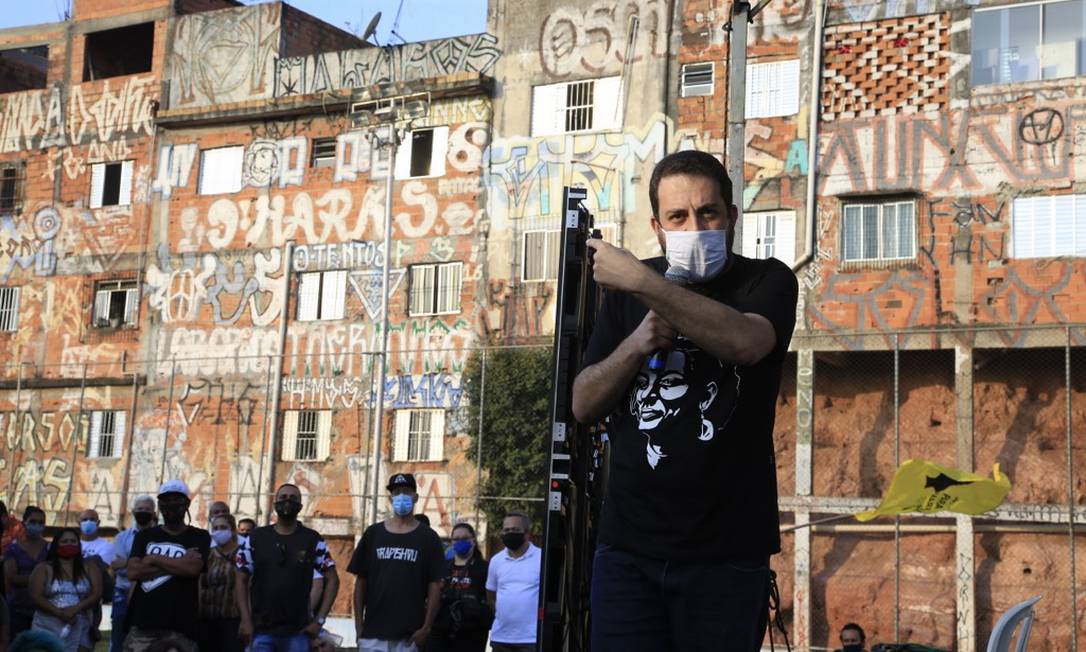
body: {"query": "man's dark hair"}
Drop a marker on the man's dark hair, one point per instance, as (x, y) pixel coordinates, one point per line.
(423, 518)
(858, 629)
(691, 163)
(32, 510)
(247, 520)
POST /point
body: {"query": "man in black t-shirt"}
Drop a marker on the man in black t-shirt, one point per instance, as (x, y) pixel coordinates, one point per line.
(276, 567)
(399, 564)
(687, 367)
(165, 567)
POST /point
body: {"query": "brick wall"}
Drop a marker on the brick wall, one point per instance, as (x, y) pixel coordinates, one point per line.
(303, 34)
(886, 67)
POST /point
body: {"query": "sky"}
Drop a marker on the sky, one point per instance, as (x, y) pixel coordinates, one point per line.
(420, 20)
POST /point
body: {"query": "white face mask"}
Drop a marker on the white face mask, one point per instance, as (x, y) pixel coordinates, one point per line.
(695, 256)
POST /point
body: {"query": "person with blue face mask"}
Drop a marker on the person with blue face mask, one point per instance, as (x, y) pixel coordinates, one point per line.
(685, 359)
(465, 615)
(20, 558)
(93, 544)
(398, 566)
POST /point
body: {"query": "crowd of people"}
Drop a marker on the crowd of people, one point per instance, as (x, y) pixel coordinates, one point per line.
(236, 586)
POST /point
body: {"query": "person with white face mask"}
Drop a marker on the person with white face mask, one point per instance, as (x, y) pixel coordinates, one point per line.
(398, 566)
(219, 615)
(685, 359)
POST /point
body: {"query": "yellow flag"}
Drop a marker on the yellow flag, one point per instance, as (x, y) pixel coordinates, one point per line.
(920, 486)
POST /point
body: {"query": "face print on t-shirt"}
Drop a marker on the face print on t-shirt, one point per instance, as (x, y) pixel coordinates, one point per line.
(662, 402)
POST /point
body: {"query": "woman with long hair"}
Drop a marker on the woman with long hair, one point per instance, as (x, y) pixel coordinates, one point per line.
(464, 619)
(20, 558)
(65, 591)
(219, 615)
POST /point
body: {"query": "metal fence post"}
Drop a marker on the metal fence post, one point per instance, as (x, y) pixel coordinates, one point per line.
(479, 444)
(1070, 487)
(897, 463)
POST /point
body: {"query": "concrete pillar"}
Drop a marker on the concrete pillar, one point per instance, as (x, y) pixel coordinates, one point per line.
(964, 546)
(801, 588)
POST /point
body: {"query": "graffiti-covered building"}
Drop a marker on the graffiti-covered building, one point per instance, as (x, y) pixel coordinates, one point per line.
(920, 165)
(192, 267)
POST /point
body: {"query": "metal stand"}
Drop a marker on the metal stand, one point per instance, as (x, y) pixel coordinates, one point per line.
(575, 452)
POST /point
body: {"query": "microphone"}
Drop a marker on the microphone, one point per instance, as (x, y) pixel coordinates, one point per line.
(676, 275)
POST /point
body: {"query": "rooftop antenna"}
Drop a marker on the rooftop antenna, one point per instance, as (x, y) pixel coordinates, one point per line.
(371, 29)
(396, 24)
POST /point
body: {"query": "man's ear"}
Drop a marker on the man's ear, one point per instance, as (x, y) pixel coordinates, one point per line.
(655, 225)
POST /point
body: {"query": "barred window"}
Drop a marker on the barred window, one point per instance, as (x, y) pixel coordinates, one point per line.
(9, 309)
(12, 182)
(419, 436)
(307, 435)
(435, 289)
(106, 433)
(879, 231)
(592, 104)
(324, 153)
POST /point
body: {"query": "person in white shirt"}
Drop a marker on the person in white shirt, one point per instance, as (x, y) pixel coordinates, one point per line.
(144, 515)
(94, 545)
(512, 586)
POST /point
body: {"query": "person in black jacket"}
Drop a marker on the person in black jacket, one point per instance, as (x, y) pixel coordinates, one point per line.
(464, 619)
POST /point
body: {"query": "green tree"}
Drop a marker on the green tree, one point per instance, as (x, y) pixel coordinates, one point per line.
(512, 399)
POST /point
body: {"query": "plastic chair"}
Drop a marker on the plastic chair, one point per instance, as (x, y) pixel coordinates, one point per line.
(1003, 632)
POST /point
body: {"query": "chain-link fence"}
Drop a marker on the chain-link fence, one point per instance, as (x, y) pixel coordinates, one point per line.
(97, 434)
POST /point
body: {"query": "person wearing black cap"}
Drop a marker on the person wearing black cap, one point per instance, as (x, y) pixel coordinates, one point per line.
(165, 566)
(398, 565)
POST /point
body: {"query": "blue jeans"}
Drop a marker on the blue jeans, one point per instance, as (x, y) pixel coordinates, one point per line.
(655, 605)
(280, 643)
(120, 610)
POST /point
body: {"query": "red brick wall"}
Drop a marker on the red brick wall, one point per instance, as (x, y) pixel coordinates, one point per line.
(303, 34)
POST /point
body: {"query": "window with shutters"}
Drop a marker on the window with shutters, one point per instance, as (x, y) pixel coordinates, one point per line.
(307, 435)
(1028, 42)
(111, 184)
(770, 234)
(422, 153)
(697, 79)
(541, 255)
(878, 231)
(12, 182)
(541, 249)
(569, 107)
(772, 89)
(324, 153)
(322, 295)
(116, 304)
(1048, 226)
(435, 289)
(9, 309)
(419, 436)
(220, 170)
(107, 430)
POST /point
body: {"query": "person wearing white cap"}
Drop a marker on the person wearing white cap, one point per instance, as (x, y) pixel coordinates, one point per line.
(165, 566)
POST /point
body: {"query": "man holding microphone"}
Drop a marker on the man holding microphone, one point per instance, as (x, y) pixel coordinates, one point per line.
(688, 369)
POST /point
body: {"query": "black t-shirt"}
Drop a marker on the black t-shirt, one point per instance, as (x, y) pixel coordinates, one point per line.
(464, 609)
(398, 569)
(168, 602)
(693, 475)
(280, 568)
